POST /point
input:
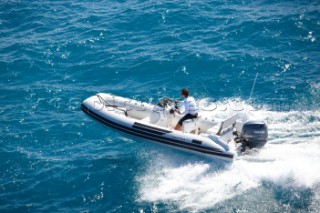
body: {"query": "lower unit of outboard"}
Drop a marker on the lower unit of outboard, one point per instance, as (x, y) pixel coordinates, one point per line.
(254, 134)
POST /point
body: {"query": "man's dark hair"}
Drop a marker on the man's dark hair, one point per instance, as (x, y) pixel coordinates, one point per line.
(185, 92)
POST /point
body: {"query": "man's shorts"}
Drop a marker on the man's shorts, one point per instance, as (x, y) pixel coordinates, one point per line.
(186, 117)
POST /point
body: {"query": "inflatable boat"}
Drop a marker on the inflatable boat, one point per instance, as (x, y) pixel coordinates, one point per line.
(224, 139)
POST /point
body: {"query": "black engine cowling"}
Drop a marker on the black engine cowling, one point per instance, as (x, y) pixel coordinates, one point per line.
(254, 134)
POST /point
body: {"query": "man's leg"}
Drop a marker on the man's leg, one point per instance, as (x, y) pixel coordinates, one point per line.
(179, 124)
(178, 127)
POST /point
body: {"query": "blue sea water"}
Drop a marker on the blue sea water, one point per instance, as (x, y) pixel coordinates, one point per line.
(54, 54)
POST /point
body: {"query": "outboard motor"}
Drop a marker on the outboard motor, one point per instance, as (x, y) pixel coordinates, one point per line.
(254, 134)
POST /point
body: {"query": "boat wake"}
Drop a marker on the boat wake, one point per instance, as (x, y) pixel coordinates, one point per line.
(289, 166)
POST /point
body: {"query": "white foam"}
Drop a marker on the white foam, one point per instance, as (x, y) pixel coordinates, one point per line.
(291, 159)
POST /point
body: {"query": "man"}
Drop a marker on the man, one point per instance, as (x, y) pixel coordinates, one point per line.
(190, 109)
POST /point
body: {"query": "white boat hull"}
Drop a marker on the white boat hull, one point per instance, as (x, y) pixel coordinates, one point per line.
(133, 117)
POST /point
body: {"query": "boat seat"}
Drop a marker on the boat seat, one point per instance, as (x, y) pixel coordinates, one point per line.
(190, 125)
(214, 129)
(224, 126)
